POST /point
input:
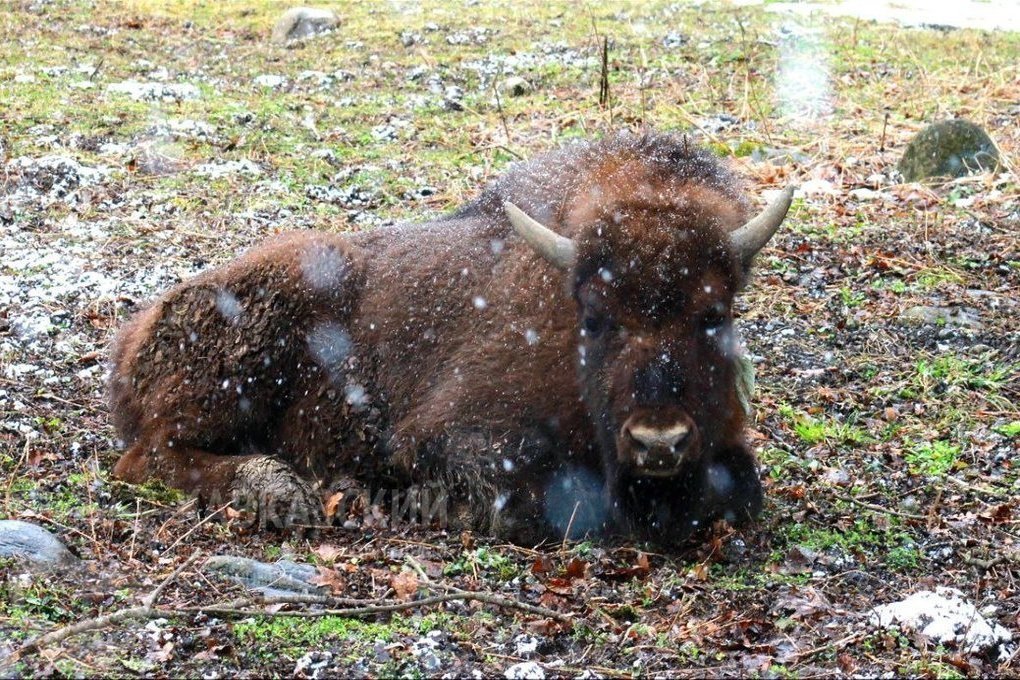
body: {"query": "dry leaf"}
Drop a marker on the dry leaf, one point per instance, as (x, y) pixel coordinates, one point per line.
(542, 565)
(329, 578)
(405, 585)
(333, 504)
(327, 553)
(576, 569)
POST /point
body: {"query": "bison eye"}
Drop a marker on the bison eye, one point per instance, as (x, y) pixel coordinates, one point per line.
(714, 319)
(593, 325)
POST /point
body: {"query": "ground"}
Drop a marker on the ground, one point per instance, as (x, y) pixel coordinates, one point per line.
(881, 321)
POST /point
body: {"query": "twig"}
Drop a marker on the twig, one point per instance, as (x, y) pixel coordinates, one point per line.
(95, 71)
(879, 508)
(985, 565)
(372, 610)
(570, 525)
(192, 530)
(146, 611)
(838, 644)
(604, 77)
(972, 487)
(150, 601)
(499, 108)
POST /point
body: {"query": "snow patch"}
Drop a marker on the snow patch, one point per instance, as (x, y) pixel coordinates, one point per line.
(269, 80)
(945, 617)
(217, 170)
(154, 92)
(53, 177)
(528, 670)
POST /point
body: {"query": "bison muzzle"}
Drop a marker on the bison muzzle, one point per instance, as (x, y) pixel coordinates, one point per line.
(558, 352)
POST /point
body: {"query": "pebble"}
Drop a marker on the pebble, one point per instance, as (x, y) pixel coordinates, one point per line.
(515, 86)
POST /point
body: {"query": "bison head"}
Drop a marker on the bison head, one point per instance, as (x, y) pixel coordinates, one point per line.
(654, 282)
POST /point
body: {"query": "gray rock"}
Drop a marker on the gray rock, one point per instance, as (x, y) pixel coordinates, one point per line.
(960, 317)
(303, 22)
(515, 86)
(283, 577)
(32, 543)
(949, 148)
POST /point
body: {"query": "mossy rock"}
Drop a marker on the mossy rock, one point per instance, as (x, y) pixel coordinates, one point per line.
(949, 148)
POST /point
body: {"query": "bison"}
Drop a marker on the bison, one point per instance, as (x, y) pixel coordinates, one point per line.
(557, 354)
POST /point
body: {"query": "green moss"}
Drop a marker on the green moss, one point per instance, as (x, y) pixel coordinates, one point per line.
(932, 458)
(1011, 430)
(295, 634)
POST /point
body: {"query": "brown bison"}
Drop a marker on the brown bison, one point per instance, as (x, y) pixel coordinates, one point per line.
(557, 353)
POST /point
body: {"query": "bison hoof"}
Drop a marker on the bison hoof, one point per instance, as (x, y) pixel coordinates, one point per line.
(276, 496)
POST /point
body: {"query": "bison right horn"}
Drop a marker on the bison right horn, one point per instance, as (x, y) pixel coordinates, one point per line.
(753, 236)
(558, 250)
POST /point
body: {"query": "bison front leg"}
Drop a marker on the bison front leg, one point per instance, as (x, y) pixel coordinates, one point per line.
(731, 488)
(508, 486)
(269, 489)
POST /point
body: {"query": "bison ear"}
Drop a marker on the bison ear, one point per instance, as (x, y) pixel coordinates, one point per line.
(558, 250)
(752, 237)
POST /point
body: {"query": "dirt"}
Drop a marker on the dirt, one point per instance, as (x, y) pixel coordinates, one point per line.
(141, 145)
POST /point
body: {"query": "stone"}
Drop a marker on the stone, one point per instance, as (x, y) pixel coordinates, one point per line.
(303, 22)
(515, 86)
(281, 578)
(948, 148)
(32, 543)
(927, 315)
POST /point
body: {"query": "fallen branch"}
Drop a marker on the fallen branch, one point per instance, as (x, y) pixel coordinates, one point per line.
(985, 565)
(147, 610)
(375, 609)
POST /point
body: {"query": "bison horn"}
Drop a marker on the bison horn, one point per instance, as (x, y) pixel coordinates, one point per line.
(558, 250)
(753, 236)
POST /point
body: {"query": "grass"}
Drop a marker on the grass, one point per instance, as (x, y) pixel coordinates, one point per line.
(894, 548)
(829, 430)
(482, 559)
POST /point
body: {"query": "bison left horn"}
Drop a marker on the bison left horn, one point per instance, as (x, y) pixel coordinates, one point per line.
(558, 250)
(752, 237)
